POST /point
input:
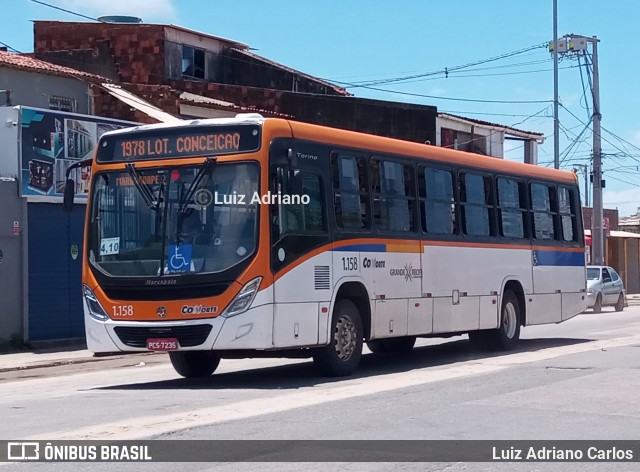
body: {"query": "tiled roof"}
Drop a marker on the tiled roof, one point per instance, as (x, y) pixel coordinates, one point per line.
(27, 63)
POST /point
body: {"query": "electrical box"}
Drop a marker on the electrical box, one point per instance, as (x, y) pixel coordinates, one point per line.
(562, 45)
(577, 44)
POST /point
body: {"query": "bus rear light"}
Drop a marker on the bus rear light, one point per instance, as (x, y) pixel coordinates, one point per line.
(243, 300)
(95, 309)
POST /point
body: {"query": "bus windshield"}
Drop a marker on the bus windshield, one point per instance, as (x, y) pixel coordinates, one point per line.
(154, 222)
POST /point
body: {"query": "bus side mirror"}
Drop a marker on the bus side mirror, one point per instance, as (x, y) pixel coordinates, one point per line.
(69, 193)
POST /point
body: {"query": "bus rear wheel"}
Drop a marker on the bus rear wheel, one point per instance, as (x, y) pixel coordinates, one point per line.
(194, 364)
(508, 333)
(342, 355)
(393, 345)
(506, 336)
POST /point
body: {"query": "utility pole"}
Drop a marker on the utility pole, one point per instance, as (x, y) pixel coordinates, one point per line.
(575, 43)
(597, 236)
(556, 121)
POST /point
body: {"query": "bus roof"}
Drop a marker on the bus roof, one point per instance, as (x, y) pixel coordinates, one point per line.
(384, 145)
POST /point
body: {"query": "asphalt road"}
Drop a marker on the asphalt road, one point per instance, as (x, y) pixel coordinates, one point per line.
(576, 380)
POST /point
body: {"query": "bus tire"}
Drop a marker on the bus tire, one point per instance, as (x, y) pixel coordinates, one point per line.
(507, 335)
(342, 355)
(393, 345)
(597, 306)
(194, 364)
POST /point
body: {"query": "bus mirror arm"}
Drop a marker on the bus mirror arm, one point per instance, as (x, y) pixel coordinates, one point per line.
(70, 185)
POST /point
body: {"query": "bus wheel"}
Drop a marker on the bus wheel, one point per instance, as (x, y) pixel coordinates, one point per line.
(393, 345)
(342, 355)
(507, 335)
(194, 364)
(597, 307)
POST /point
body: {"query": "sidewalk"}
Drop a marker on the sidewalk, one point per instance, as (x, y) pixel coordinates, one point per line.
(36, 359)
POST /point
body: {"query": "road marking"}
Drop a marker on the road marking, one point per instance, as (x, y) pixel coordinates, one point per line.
(147, 426)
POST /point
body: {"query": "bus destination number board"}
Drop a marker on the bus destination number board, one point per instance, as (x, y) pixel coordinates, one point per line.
(179, 142)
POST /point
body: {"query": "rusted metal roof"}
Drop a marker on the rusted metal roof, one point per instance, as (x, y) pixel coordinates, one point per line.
(31, 64)
(334, 87)
(139, 104)
(208, 102)
(506, 129)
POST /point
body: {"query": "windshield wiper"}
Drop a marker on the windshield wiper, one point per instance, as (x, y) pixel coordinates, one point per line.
(188, 195)
(142, 187)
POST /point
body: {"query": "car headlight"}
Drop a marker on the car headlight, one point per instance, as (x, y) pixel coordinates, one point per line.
(95, 309)
(243, 300)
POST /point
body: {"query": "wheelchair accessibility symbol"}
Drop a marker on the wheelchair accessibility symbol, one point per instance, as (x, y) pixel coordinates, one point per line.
(179, 258)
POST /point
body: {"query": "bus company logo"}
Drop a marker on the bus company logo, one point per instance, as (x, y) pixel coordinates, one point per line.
(375, 263)
(408, 272)
(23, 451)
(161, 312)
(199, 310)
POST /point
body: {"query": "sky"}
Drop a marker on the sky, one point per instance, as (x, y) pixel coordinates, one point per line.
(356, 42)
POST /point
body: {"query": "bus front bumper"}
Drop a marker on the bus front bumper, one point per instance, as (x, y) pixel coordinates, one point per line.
(252, 329)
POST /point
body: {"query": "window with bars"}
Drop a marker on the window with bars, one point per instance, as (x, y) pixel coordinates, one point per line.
(57, 102)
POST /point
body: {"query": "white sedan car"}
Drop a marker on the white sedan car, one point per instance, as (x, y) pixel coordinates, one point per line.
(604, 288)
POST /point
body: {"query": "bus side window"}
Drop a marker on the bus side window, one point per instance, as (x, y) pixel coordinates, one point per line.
(437, 200)
(542, 211)
(393, 195)
(350, 191)
(511, 208)
(476, 204)
(567, 214)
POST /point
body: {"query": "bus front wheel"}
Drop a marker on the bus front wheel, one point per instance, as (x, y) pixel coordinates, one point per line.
(342, 355)
(194, 364)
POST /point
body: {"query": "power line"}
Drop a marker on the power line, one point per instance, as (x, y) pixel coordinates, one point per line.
(9, 47)
(624, 181)
(448, 70)
(606, 140)
(502, 74)
(456, 99)
(66, 11)
(584, 89)
(488, 114)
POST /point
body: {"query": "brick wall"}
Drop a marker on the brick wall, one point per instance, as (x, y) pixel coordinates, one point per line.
(587, 214)
(135, 51)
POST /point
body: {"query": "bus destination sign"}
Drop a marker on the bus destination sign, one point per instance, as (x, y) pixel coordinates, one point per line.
(180, 143)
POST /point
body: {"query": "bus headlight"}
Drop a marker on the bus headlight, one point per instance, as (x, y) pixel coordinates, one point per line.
(243, 300)
(95, 309)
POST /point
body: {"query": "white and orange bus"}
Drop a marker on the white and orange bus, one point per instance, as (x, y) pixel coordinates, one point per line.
(247, 236)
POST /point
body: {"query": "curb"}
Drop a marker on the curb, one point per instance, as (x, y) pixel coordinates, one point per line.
(81, 360)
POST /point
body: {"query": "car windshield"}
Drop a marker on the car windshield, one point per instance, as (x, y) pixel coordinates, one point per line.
(593, 273)
(172, 221)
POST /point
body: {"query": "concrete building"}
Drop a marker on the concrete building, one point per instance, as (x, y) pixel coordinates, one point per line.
(45, 125)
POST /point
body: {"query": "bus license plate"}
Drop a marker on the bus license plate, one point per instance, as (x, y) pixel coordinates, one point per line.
(162, 344)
